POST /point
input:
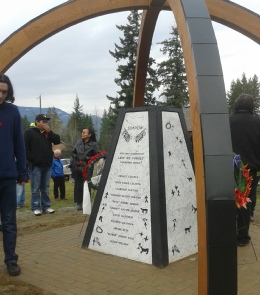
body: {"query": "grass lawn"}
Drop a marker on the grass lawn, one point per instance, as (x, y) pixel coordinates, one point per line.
(55, 204)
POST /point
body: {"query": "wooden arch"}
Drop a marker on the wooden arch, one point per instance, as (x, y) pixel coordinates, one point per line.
(211, 136)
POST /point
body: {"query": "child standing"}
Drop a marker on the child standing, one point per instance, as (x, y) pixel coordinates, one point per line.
(57, 175)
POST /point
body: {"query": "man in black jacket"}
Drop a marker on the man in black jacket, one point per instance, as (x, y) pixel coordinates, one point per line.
(245, 134)
(38, 145)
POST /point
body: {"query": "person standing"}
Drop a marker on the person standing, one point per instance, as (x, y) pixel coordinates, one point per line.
(84, 149)
(57, 175)
(38, 145)
(245, 135)
(12, 170)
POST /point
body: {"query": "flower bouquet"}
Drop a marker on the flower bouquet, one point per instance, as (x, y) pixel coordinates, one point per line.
(243, 182)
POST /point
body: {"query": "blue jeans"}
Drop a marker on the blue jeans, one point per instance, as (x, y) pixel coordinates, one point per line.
(40, 183)
(8, 218)
(20, 194)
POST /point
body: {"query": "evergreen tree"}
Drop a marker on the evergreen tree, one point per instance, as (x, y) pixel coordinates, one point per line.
(125, 54)
(172, 73)
(76, 121)
(105, 132)
(247, 86)
(55, 121)
(25, 123)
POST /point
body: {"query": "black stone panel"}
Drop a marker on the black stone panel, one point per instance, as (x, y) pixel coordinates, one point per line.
(222, 223)
(212, 95)
(220, 183)
(200, 30)
(207, 60)
(194, 8)
(222, 271)
(216, 134)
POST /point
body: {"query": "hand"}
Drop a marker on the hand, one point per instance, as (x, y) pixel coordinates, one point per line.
(21, 182)
(46, 127)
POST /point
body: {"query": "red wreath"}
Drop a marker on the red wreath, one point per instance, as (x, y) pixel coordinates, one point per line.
(86, 171)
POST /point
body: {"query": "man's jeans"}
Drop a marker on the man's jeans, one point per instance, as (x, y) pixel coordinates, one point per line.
(40, 183)
(20, 194)
(8, 218)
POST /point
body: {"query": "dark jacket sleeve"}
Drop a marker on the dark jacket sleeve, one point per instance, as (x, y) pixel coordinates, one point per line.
(54, 138)
(19, 151)
(95, 149)
(29, 154)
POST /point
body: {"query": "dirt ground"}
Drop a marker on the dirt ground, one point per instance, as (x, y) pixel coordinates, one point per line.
(28, 224)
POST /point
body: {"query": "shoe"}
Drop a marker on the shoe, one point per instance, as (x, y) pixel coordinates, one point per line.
(13, 269)
(243, 242)
(49, 211)
(79, 207)
(37, 212)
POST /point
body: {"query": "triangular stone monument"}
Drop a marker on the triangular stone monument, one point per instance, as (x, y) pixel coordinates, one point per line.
(145, 207)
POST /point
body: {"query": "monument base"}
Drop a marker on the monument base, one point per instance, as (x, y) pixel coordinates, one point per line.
(145, 207)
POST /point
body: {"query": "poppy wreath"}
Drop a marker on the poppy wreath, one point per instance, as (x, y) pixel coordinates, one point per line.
(87, 170)
(243, 182)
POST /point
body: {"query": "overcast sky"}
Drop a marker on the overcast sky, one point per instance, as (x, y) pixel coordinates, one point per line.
(77, 61)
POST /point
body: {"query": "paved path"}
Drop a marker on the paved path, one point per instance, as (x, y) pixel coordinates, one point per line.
(54, 261)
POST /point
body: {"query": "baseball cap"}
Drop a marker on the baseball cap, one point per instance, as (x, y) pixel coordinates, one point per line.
(41, 117)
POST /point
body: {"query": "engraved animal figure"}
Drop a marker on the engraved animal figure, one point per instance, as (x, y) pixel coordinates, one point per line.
(100, 218)
(144, 210)
(173, 193)
(96, 240)
(175, 249)
(140, 136)
(146, 199)
(169, 153)
(193, 209)
(126, 135)
(143, 250)
(187, 229)
(190, 179)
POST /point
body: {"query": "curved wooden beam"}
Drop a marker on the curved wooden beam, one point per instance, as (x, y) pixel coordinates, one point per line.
(236, 17)
(73, 12)
(56, 20)
(210, 126)
(148, 23)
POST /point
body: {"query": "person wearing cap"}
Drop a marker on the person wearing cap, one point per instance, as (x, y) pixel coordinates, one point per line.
(245, 135)
(12, 170)
(38, 145)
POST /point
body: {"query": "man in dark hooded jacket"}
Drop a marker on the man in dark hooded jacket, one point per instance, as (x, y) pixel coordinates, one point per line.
(245, 134)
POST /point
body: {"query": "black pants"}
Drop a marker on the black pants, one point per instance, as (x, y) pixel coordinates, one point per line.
(59, 184)
(78, 188)
(243, 215)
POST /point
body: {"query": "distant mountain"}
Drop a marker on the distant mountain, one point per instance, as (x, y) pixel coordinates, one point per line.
(31, 113)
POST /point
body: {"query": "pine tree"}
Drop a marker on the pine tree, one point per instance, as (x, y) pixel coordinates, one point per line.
(172, 73)
(76, 121)
(247, 86)
(105, 132)
(55, 121)
(25, 123)
(125, 55)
